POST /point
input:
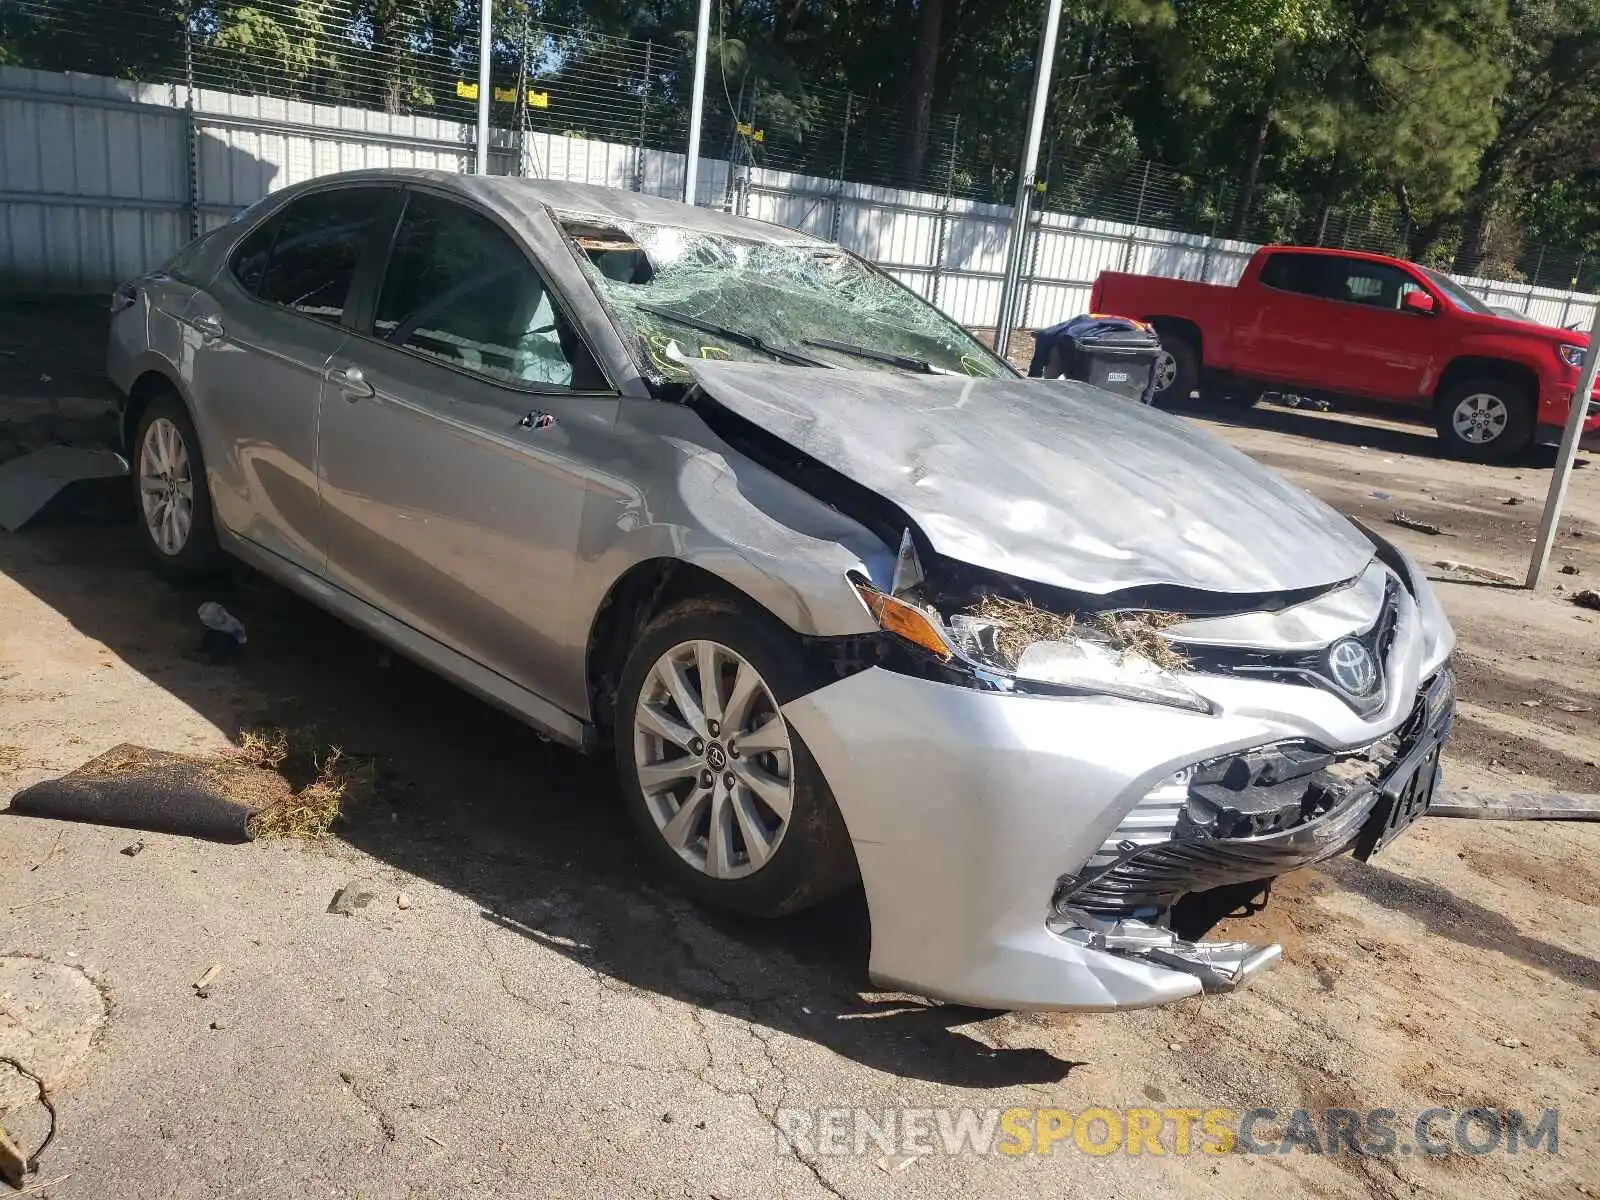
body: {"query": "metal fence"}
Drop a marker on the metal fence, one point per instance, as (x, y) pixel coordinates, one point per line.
(102, 178)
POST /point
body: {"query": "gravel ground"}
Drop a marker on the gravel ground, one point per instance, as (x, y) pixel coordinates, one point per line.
(539, 1017)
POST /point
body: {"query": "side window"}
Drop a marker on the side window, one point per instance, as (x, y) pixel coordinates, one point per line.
(459, 289)
(1376, 284)
(249, 261)
(320, 238)
(1300, 273)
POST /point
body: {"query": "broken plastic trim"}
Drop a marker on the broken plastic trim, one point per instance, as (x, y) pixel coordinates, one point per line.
(1219, 966)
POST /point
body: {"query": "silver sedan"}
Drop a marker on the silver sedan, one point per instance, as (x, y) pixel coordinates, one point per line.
(1050, 674)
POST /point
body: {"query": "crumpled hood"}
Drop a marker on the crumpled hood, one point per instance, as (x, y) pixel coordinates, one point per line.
(1054, 482)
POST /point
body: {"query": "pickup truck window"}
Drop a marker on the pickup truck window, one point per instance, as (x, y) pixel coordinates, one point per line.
(1301, 273)
(1376, 284)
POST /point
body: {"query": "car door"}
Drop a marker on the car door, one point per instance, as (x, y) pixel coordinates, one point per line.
(258, 340)
(1386, 351)
(457, 436)
(1284, 334)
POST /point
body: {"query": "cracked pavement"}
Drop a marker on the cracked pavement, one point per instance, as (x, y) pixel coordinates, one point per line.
(545, 1019)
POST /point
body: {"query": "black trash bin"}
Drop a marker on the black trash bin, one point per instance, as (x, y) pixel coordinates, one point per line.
(1115, 353)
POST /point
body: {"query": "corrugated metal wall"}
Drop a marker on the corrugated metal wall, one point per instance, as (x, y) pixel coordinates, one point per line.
(95, 186)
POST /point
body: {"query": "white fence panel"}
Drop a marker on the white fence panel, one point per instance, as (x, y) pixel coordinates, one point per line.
(94, 187)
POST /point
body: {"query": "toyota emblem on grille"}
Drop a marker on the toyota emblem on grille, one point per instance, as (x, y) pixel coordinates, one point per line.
(1352, 666)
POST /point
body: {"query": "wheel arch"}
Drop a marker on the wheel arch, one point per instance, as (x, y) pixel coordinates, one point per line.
(1183, 328)
(652, 585)
(153, 379)
(1474, 366)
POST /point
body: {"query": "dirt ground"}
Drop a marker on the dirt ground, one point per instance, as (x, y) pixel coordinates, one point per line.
(541, 1017)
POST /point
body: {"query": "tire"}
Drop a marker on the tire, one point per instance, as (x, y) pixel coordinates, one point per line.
(1179, 362)
(1486, 419)
(808, 858)
(177, 524)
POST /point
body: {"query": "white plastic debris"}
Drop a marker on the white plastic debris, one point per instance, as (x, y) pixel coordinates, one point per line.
(214, 616)
(30, 481)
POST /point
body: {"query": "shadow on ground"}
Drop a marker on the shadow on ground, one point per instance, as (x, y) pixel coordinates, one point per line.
(472, 800)
(1336, 428)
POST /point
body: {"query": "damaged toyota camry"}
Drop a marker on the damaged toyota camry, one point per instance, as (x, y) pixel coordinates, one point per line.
(846, 598)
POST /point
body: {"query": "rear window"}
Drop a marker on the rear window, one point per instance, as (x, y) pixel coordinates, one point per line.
(305, 257)
(1299, 273)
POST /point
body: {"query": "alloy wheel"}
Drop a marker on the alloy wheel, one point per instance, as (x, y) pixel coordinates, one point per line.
(1480, 418)
(166, 487)
(713, 759)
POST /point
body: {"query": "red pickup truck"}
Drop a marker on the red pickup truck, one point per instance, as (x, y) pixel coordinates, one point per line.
(1339, 323)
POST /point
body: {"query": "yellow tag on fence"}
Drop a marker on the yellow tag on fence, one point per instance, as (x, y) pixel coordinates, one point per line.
(538, 99)
(751, 132)
(506, 95)
(467, 91)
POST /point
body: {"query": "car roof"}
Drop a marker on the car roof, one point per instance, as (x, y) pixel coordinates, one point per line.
(578, 199)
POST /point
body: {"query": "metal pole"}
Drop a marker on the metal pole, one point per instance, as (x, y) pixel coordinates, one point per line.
(1138, 215)
(1030, 164)
(702, 35)
(644, 117)
(190, 137)
(838, 190)
(1557, 496)
(485, 48)
(1566, 304)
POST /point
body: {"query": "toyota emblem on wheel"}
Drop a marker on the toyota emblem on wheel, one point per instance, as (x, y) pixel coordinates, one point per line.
(1353, 667)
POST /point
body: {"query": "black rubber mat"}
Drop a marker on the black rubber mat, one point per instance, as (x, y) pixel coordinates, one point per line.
(136, 788)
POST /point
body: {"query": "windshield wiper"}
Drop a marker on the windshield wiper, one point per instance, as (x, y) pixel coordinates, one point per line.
(904, 361)
(737, 336)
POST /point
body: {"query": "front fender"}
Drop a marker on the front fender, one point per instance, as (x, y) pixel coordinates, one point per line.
(680, 493)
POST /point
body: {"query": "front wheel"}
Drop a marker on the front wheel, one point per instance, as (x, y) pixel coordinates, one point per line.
(1485, 420)
(728, 799)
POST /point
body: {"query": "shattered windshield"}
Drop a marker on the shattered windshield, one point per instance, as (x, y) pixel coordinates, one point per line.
(809, 305)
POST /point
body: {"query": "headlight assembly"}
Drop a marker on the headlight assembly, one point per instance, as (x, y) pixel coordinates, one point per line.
(1069, 660)
(1572, 355)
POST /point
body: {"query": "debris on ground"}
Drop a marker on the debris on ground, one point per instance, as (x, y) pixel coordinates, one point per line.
(1569, 569)
(30, 481)
(138, 788)
(1409, 522)
(327, 783)
(12, 1165)
(1461, 568)
(1383, 495)
(1588, 598)
(402, 901)
(1516, 806)
(133, 849)
(894, 1164)
(350, 897)
(225, 635)
(202, 986)
(1512, 500)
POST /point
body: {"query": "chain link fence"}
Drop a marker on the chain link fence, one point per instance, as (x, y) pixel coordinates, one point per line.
(420, 58)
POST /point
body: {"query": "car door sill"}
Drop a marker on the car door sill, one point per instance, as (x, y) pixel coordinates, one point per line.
(529, 707)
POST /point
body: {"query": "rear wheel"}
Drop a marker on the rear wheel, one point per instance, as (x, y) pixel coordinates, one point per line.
(1177, 369)
(1486, 419)
(727, 797)
(170, 497)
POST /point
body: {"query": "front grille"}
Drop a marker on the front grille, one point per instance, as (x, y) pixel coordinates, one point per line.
(1169, 844)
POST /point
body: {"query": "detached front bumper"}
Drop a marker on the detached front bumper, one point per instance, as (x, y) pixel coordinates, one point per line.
(980, 822)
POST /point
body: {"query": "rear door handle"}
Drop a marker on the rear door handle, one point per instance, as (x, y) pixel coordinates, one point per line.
(351, 382)
(209, 328)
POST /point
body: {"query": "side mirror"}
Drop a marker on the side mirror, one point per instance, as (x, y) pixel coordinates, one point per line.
(1418, 302)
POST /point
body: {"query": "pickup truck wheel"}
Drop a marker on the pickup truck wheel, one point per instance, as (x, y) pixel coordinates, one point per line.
(1177, 369)
(1487, 419)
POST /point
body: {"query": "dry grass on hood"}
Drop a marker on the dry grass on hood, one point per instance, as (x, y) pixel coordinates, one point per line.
(1019, 624)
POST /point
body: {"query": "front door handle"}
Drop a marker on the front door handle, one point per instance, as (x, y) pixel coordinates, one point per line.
(351, 382)
(209, 328)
